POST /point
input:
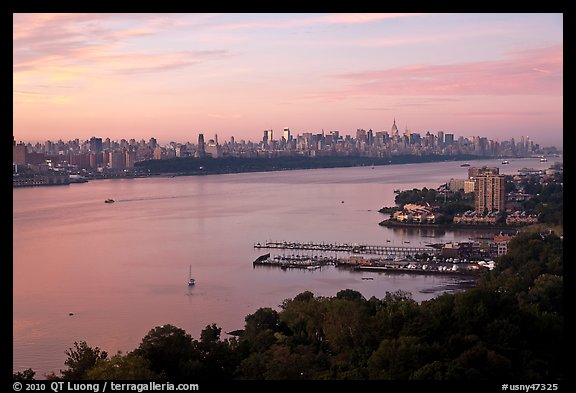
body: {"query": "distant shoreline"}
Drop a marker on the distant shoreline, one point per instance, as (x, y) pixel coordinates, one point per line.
(215, 166)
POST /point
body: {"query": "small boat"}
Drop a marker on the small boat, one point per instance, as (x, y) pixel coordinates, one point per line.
(543, 159)
(109, 201)
(465, 164)
(191, 281)
(367, 278)
(505, 162)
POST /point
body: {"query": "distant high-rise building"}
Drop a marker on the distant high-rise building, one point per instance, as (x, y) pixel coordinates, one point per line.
(104, 158)
(117, 159)
(96, 144)
(286, 134)
(490, 195)
(180, 150)
(440, 138)
(394, 129)
(201, 149)
(448, 139)
(153, 143)
(213, 149)
(268, 136)
(158, 153)
(130, 158)
(370, 137)
(95, 159)
(19, 154)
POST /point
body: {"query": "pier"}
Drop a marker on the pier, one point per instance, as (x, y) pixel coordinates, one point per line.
(393, 251)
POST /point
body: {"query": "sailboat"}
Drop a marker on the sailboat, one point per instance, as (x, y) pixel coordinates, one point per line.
(191, 281)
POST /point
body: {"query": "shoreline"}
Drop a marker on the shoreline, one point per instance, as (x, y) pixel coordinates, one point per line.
(231, 165)
(395, 224)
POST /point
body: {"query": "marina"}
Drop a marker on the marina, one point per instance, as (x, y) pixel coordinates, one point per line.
(394, 251)
(386, 265)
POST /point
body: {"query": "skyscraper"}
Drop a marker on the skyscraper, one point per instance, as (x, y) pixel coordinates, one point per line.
(96, 144)
(286, 134)
(268, 136)
(201, 149)
(440, 138)
(19, 153)
(490, 195)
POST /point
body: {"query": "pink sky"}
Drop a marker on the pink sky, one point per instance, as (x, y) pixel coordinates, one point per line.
(172, 76)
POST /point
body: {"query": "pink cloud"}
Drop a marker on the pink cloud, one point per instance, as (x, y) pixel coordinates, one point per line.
(519, 73)
(503, 114)
(135, 63)
(52, 43)
(356, 18)
(313, 19)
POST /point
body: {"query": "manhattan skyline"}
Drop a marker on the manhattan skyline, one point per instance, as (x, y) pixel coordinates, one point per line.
(173, 76)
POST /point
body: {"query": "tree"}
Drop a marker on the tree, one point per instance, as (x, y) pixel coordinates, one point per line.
(399, 359)
(303, 317)
(169, 351)
(218, 359)
(119, 367)
(26, 375)
(81, 358)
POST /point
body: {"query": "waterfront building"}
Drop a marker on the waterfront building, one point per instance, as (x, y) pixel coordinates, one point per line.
(19, 153)
(521, 218)
(501, 241)
(116, 159)
(416, 213)
(130, 158)
(490, 195)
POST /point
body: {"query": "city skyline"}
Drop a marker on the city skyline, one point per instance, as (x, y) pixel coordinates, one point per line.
(173, 76)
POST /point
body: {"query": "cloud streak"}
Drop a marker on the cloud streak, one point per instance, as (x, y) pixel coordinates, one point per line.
(313, 20)
(62, 40)
(536, 72)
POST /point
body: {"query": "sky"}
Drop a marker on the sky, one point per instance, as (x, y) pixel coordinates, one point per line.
(173, 76)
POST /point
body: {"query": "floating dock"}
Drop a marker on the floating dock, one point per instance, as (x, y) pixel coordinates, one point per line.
(393, 251)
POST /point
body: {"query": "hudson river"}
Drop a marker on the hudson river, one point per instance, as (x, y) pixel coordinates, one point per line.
(122, 268)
